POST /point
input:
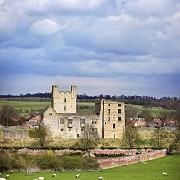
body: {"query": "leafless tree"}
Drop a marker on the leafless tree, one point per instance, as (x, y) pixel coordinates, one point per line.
(158, 137)
(8, 116)
(163, 115)
(89, 138)
(132, 136)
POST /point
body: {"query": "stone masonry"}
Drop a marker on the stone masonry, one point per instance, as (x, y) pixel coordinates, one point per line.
(108, 120)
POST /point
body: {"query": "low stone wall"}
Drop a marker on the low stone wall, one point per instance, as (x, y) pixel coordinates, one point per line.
(8, 133)
(128, 152)
(119, 161)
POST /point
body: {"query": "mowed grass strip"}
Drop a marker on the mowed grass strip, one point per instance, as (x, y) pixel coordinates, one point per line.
(151, 171)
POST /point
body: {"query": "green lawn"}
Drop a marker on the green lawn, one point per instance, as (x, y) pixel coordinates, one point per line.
(151, 171)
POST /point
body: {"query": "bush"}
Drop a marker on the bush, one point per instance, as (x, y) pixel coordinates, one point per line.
(49, 161)
(18, 162)
(90, 163)
(5, 161)
(72, 162)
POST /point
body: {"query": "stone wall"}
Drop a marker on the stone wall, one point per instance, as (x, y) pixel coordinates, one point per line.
(8, 133)
(119, 161)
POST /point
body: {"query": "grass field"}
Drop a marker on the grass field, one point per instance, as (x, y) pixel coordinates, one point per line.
(153, 110)
(151, 171)
(24, 105)
(81, 106)
(36, 106)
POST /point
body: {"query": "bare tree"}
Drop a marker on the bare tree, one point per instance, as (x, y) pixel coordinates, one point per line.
(8, 115)
(131, 111)
(176, 144)
(89, 137)
(163, 115)
(132, 137)
(147, 115)
(158, 137)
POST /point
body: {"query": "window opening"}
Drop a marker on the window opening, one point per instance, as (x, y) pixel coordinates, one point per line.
(113, 126)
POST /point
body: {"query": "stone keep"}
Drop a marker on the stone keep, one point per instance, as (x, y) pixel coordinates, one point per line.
(108, 120)
(64, 102)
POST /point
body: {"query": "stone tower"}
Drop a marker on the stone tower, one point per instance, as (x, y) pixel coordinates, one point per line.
(64, 101)
(112, 116)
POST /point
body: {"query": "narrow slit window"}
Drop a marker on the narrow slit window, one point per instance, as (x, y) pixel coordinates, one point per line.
(114, 126)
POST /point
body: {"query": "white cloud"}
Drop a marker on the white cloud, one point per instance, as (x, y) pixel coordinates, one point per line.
(145, 8)
(62, 6)
(45, 26)
(1, 2)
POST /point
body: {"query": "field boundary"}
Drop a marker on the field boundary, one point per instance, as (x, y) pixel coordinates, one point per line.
(120, 161)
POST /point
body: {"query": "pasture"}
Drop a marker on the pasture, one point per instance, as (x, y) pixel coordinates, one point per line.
(152, 170)
(82, 107)
(26, 106)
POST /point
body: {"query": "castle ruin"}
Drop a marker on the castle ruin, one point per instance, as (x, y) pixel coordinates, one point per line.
(63, 121)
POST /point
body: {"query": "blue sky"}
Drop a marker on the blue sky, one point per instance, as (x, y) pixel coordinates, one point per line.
(114, 47)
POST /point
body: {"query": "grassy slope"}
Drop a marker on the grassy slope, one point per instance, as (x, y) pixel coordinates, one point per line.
(154, 110)
(81, 106)
(150, 171)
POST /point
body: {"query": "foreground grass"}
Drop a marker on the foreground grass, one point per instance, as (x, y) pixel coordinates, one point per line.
(150, 171)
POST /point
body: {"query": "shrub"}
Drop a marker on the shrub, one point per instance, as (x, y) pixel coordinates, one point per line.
(5, 161)
(89, 163)
(72, 162)
(50, 161)
(18, 162)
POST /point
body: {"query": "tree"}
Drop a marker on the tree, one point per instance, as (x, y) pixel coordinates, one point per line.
(163, 115)
(5, 161)
(177, 117)
(176, 144)
(157, 138)
(131, 111)
(8, 116)
(41, 133)
(132, 137)
(147, 115)
(89, 137)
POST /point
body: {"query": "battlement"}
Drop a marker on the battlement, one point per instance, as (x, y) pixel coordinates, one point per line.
(64, 101)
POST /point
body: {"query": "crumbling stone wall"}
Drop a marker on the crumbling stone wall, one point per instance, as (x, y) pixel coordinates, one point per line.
(14, 133)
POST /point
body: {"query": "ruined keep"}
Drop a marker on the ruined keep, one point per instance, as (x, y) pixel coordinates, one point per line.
(61, 118)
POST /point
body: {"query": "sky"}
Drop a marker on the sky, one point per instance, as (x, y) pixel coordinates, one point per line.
(114, 47)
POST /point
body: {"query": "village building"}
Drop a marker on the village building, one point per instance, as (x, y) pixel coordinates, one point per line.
(63, 121)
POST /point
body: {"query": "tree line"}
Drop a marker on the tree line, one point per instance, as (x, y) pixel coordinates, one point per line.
(164, 102)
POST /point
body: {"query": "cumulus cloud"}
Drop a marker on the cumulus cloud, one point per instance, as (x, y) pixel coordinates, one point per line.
(45, 26)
